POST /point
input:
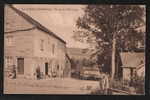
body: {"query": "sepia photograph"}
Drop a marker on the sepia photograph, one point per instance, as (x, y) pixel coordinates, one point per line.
(91, 49)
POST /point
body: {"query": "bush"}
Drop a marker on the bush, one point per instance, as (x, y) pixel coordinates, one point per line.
(138, 83)
(124, 85)
(120, 84)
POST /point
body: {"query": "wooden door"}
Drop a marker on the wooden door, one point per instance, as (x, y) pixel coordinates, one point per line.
(46, 68)
(20, 65)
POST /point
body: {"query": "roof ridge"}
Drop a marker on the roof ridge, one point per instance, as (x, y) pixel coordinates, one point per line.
(35, 22)
(27, 29)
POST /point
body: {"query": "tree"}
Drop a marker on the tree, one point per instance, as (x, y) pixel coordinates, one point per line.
(87, 62)
(102, 24)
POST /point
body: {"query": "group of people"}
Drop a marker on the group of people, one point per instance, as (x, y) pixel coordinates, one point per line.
(40, 75)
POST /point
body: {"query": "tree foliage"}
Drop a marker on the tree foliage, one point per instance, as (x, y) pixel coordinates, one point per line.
(100, 23)
(88, 62)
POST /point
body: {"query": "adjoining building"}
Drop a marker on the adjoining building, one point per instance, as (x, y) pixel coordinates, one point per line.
(133, 63)
(78, 53)
(67, 70)
(29, 45)
(78, 56)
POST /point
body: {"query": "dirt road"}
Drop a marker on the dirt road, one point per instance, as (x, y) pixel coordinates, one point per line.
(49, 86)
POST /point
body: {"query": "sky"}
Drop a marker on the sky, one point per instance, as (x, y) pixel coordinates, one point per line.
(60, 19)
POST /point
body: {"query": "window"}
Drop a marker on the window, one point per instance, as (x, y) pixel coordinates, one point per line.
(9, 40)
(53, 48)
(42, 45)
(9, 61)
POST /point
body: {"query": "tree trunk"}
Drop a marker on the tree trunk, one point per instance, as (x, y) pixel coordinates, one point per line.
(113, 58)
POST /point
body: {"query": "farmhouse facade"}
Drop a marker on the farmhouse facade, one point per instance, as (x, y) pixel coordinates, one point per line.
(29, 45)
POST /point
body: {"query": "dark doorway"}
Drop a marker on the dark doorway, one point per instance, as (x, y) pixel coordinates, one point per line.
(46, 68)
(20, 65)
(57, 67)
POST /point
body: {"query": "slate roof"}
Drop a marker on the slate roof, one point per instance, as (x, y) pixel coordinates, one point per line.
(35, 23)
(134, 59)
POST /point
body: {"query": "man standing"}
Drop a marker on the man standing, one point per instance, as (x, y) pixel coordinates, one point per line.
(102, 82)
(106, 83)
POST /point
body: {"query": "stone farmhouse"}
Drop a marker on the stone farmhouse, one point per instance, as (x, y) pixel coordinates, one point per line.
(28, 45)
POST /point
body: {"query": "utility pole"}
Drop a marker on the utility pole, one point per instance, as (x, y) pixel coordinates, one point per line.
(113, 57)
(113, 47)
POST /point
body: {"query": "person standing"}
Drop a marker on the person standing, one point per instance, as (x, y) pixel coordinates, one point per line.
(102, 82)
(106, 83)
(38, 72)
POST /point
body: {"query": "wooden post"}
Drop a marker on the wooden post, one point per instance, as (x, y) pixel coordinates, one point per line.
(113, 57)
